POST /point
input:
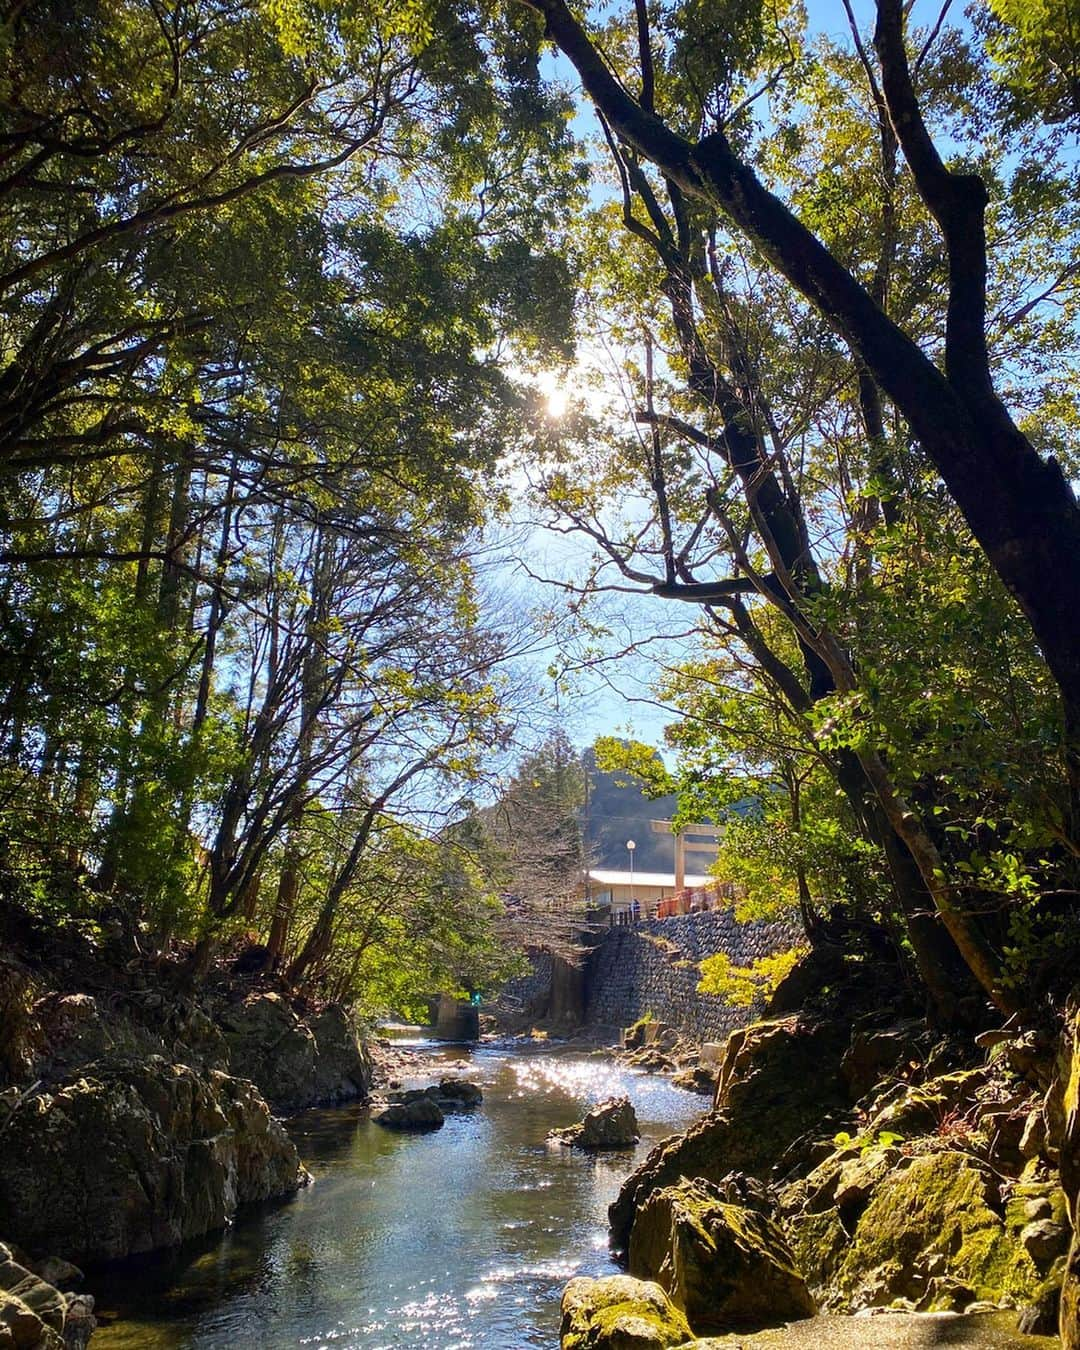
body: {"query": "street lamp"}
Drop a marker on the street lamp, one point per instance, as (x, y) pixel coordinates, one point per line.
(630, 846)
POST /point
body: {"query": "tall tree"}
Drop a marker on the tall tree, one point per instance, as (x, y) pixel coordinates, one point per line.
(1019, 505)
(266, 275)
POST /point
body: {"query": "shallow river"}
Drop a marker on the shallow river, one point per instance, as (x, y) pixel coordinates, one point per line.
(457, 1240)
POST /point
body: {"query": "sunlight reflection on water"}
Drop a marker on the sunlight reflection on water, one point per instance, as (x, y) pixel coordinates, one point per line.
(459, 1240)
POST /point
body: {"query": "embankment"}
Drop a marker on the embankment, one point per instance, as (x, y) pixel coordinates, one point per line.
(647, 968)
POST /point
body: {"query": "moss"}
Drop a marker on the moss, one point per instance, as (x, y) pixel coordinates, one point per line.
(1016, 1209)
(818, 1243)
(779, 1079)
(931, 1235)
(620, 1312)
(632, 1322)
(723, 1264)
(922, 1109)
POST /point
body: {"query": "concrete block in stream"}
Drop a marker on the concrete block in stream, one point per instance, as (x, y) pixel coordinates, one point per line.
(456, 1020)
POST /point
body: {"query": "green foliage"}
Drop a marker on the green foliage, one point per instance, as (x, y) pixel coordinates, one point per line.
(1035, 47)
(867, 1143)
(419, 920)
(269, 276)
(742, 986)
(638, 762)
(866, 713)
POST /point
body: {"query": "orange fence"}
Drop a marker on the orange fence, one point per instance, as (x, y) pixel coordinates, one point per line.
(695, 902)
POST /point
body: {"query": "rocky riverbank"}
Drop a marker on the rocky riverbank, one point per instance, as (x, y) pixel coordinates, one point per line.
(852, 1161)
(134, 1118)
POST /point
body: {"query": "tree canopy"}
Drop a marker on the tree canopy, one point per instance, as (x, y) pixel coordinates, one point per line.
(268, 278)
(840, 279)
(273, 278)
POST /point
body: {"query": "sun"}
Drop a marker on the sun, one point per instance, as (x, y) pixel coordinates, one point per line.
(556, 397)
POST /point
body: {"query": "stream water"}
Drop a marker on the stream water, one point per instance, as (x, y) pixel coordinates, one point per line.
(457, 1240)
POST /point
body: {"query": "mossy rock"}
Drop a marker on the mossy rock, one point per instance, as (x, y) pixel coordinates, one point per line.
(138, 1155)
(1069, 1324)
(1042, 1314)
(819, 1243)
(725, 1266)
(1037, 1218)
(844, 1180)
(777, 1081)
(920, 1110)
(619, 1313)
(931, 1236)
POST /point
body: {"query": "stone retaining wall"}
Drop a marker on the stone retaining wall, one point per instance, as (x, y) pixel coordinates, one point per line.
(652, 967)
(526, 998)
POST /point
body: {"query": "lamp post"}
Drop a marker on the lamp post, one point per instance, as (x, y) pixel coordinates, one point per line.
(630, 846)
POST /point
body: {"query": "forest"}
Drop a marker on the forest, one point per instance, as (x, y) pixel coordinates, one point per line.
(265, 273)
(379, 381)
(278, 281)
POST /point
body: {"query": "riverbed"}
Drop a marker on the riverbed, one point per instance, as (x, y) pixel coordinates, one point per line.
(461, 1239)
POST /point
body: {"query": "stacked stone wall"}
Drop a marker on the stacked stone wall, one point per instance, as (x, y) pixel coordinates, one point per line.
(652, 968)
(527, 998)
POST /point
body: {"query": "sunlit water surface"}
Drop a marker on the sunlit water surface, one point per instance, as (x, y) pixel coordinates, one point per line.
(461, 1239)
(457, 1240)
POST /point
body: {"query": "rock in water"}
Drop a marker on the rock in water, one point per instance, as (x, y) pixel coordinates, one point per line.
(619, 1313)
(610, 1124)
(456, 1094)
(136, 1156)
(696, 1078)
(420, 1112)
(723, 1265)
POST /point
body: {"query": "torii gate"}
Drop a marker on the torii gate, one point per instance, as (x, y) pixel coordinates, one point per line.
(683, 845)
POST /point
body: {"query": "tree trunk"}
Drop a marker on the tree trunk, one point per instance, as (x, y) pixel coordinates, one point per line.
(284, 907)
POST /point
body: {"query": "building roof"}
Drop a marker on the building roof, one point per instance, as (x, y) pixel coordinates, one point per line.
(605, 876)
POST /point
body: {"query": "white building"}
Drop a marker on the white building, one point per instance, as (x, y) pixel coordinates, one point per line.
(619, 890)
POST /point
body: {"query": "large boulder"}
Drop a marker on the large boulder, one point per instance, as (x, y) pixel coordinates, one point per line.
(269, 1044)
(619, 1313)
(610, 1124)
(726, 1266)
(198, 1040)
(343, 1066)
(136, 1156)
(932, 1236)
(776, 1081)
(72, 1031)
(294, 1063)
